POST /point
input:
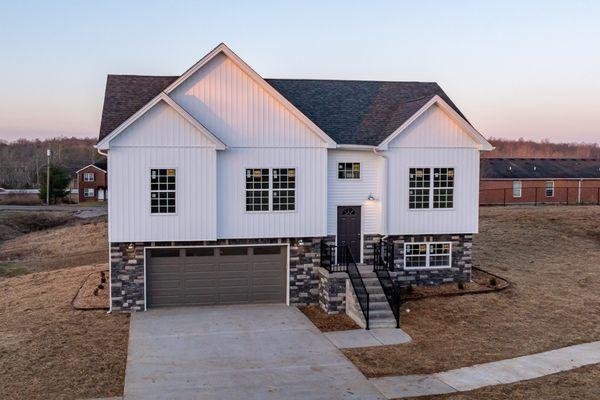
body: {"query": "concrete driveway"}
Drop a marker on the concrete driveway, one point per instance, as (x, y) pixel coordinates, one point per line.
(236, 352)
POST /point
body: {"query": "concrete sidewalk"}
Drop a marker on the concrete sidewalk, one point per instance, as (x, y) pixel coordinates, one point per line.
(367, 338)
(494, 373)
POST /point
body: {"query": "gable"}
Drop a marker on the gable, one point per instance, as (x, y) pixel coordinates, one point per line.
(434, 128)
(161, 126)
(240, 110)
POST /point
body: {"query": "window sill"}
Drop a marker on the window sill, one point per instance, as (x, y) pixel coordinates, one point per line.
(424, 268)
(431, 209)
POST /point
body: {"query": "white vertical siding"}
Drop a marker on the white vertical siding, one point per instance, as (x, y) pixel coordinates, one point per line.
(309, 218)
(463, 218)
(355, 192)
(161, 139)
(238, 110)
(434, 129)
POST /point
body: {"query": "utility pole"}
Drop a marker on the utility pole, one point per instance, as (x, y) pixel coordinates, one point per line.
(48, 153)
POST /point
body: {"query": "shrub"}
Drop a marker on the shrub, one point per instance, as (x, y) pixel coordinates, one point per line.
(461, 286)
(409, 289)
(493, 282)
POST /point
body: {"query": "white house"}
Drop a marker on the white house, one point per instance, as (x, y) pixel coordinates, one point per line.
(226, 186)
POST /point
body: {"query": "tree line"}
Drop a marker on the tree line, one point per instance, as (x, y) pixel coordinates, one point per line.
(23, 162)
(522, 148)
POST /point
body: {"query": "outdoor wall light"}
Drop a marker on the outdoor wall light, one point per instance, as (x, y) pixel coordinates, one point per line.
(371, 197)
(131, 246)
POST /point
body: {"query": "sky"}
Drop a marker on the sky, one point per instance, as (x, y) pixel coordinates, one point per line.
(526, 69)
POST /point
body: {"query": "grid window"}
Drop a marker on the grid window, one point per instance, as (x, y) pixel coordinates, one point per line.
(419, 187)
(257, 189)
(89, 177)
(162, 191)
(427, 255)
(348, 170)
(517, 188)
(284, 189)
(88, 192)
(443, 187)
(549, 188)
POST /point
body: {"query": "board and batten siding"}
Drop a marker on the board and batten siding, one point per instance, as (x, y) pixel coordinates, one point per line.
(355, 192)
(433, 140)
(161, 139)
(309, 218)
(235, 108)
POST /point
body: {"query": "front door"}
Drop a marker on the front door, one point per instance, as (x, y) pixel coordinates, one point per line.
(348, 229)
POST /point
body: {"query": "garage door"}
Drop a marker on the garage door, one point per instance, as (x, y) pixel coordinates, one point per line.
(219, 275)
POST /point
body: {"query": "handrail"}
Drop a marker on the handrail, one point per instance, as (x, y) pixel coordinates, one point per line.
(383, 261)
(328, 257)
(357, 282)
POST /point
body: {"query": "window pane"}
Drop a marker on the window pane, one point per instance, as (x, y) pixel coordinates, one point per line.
(162, 191)
(284, 199)
(419, 182)
(349, 170)
(443, 187)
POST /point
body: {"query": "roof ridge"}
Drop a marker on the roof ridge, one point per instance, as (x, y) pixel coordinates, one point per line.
(348, 80)
(144, 76)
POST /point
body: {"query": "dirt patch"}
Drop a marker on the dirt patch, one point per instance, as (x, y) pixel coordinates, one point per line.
(16, 223)
(482, 282)
(48, 349)
(578, 384)
(94, 292)
(551, 256)
(326, 322)
(79, 242)
(20, 199)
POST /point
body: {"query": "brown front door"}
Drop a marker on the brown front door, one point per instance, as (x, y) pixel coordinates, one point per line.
(348, 229)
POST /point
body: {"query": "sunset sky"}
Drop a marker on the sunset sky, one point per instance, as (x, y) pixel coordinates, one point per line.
(515, 68)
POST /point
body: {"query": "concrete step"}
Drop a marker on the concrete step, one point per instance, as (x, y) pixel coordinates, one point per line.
(381, 314)
(377, 297)
(378, 305)
(382, 323)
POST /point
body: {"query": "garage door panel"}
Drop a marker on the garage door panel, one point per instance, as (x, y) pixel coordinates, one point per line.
(223, 278)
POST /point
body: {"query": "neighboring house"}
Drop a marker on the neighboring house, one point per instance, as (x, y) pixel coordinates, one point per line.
(226, 187)
(539, 180)
(92, 182)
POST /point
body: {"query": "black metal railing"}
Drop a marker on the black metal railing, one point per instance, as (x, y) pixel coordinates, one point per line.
(332, 259)
(356, 280)
(383, 263)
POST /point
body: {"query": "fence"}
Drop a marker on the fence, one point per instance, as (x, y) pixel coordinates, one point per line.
(567, 195)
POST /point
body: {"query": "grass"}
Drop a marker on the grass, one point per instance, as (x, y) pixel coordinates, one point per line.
(551, 256)
(50, 351)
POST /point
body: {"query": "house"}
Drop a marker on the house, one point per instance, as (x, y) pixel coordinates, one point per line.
(228, 188)
(539, 181)
(92, 184)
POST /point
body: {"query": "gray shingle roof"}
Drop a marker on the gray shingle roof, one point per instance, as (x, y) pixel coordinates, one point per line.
(350, 112)
(540, 168)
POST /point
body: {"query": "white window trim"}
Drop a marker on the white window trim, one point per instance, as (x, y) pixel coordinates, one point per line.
(337, 172)
(86, 174)
(427, 267)
(551, 187)
(270, 190)
(89, 190)
(520, 187)
(431, 189)
(149, 185)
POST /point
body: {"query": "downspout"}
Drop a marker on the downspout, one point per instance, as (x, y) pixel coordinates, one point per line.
(579, 191)
(109, 250)
(384, 193)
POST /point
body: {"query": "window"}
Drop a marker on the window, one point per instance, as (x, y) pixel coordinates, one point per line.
(348, 170)
(516, 188)
(284, 189)
(162, 191)
(88, 192)
(257, 189)
(271, 190)
(427, 255)
(423, 195)
(549, 188)
(89, 177)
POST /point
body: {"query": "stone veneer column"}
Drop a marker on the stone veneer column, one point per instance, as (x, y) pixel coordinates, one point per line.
(332, 291)
(305, 258)
(127, 276)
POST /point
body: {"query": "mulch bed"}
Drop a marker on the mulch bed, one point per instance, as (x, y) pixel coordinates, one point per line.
(481, 283)
(326, 322)
(93, 292)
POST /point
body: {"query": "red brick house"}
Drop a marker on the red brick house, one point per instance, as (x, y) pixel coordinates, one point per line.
(505, 181)
(92, 182)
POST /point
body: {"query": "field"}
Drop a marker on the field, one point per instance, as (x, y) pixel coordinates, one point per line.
(551, 256)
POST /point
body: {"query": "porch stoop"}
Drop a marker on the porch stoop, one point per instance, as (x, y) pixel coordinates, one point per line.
(380, 313)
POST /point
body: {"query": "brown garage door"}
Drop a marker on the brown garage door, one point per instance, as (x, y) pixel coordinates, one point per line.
(219, 275)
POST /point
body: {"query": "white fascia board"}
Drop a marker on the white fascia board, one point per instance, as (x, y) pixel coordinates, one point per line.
(357, 147)
(90, 165)
(478, 137)
(222, 48)
(104, 143)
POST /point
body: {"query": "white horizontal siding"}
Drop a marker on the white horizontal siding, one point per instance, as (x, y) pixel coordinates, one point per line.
(434, 129)
(309, 218)
(238, 110)
(355, 192)
(129, 194)
(463, 218)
